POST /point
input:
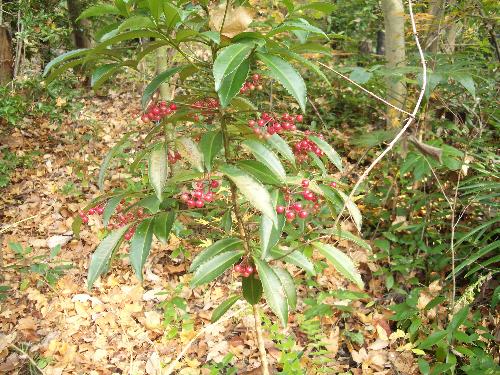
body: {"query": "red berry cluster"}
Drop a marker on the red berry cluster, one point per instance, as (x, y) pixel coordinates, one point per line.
(157, 112)
(173, 157)
(207, 106)
(268, 125)
(302, 147)
(297, 208)
(252, 85)
(99, 209)
(201, 195)
(244, 270)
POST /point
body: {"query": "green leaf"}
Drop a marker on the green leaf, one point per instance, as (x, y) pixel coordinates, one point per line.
(296, 24)
(432, 339)
(158, 164)
(252, 289)
(318, 163)
(232, 84)
(285, 74)
(349, 236)
(296, 258)
(215, 267)
(210, 146)
(229, 60)
(102, 73)
(265, 156)
(154, 8)
(64, 57)
(252, 190)
(217, 248)
(321, 6)
(329, 151)
(306, 63)
(457, 320)
(288, 286)
(273, 290)
(163, 225)
(243, 104)
(342, 263)
(282, 147)
(110, 209)
(151, 203)
(102, 255)
(423, 366)
(189, 150)
(259, 171)
(136, 23)
(353, 210)
(105, 163)
(360, 75)
(214, 36)
(269, 234)
(223, 307)
(140, 246)
(156, 82)
(98, 10)
(466, 81)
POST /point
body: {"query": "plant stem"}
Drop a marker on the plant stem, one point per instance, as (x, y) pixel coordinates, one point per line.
(246, 246)
(260, 342)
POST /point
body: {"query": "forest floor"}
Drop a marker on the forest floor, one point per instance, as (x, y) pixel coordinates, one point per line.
(119, 326)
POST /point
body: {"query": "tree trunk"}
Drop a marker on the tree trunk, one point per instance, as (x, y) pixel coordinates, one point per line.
(436, 10)
(80, 37)
(163, 58)
(380, 42)
(394, 20)
(6, 60)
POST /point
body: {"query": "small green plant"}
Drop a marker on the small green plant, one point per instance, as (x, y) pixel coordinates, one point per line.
(46, 267)
(223, 367)
(176, 318)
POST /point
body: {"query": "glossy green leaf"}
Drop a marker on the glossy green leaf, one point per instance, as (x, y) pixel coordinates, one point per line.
(98, 10)
(252, 289)
(163, 225)
(140, 246)
(457, 320)
(216, 248)
(269, 234)
(317, 161)
(252, 190)
(243, 104)
(158, 165)
(102, 73)
(220, 310)
(151, 203)
(156, 82)
(107, 160)
(136, 23)
(296, 258)
(353, 209)
(296, 24)
(259, 171)
(189, 150)
(231, 84)
(265, 156)
(210, 146)
(110, 208)
(282, 147)
(229, 60)
(288, 286)
(102, 254)
(432, 339)
(329, 151)
(273, 291)
(342, 263)
(64, 57)
(215, 267)
(289, 78)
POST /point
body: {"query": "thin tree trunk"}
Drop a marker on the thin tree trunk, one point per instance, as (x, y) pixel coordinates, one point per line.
(395, 55)
(163, 58)
(6, 63)
(436, 10)
(80, 36)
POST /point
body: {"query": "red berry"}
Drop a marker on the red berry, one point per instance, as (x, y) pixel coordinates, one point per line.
(299, 118)
(303, 214)
(91, 211)
(155, 111)
(290, 215)
(261, 122)
(208, 197)
(163, 104)
(100, 210)
(140, 212)
(173, 106)
(128, 236)
(305, 183)
(85, 219)
(199, 203)
(246, 274)
(249, 269)
(251, 123)
(280, 209)
(214, 184)
(197, 194)
(333, 184)
(256, 77)
(238, 268)
(145, 119)
(297, 206)
(191, 203)
(184, 197)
